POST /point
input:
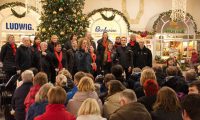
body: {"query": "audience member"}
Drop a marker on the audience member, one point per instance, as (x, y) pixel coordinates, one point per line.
(55, 110)
(167, 106)
(194, 87)
(130, 109)
(89, 110)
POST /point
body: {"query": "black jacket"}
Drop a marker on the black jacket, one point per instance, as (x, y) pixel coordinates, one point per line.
(24, 58)
(7, 57)
(18, 100)
(83, 61)
(163, 115)
(71, 61)
(100, 52)
(36, 57)
(68, 45)
(51, 46)
(55, 61)
(45, 62)
(135, 47)
(125, 56)
(148, 102)
(142, 58)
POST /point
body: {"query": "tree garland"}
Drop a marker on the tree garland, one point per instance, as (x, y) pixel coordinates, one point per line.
(168, 13)
(13, 4)
(107, 18)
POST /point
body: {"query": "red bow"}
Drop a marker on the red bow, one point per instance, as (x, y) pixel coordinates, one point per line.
(13, 48)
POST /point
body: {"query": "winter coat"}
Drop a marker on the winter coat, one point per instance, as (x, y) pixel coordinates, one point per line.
(36, 56)
(45, 62)
(71, 94)
(36, 109)
(55, 112)
(90, 117)
(111, 104)
(163, 115)
(51, 46)
(142, 58)
(195, 57)
(7, 57)
(131, 111)
(75, 103)
(148, 102)
(68, 45)
(134, 47)
(125, 56)
(24, 58)
(55, 61)
(30, 98)
(18, 100)
(100, 52)
(71, 62)
(83, 61)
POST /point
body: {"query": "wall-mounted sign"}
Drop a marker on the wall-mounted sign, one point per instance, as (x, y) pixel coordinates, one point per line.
(18, 26)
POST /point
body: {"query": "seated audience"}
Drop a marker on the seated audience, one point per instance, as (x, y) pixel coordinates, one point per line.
(150, 88)
(190, 107)
(77, 78)
(194, 87)
(130, 109)
(167, 106)
(20, 95)
(159, 74)
(68, 75)
(117, 71)
(55, 110)
(39, 80)
(86, 89)
(111, 103)
(61, 81)
(190, 76)
(41, 102)
(147, 74)
(89, 110)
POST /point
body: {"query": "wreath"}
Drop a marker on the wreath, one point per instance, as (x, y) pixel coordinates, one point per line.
(107, 18)
(18, 15)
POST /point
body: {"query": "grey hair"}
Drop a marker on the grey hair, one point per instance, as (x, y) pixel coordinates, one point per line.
(27, 76)
(129, 95)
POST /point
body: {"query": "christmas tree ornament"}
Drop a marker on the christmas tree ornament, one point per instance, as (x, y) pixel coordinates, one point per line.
(61, 9)
(62, 33)
(54, 12)
(43, 30)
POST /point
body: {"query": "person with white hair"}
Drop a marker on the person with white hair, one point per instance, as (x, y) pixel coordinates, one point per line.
(24, 55)
(143, 56)
(130, 109)
(20, 95)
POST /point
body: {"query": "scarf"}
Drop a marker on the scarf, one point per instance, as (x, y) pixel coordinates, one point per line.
(59, 58)
(109, 56)
(94, 57)
(132, 43)
(13, 48)
(38, 46)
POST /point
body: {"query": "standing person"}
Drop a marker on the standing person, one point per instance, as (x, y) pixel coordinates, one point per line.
(68, 43)
(101, 50)
(117, 42)
(125, 57)
(8, 54)
(142, 56)
(133, 43)
(130, 109)
(24, 56)
(88, 36)
(51, 44)
(109, 59)
(82, 56)
(36, 52)
(70, 54)
(59, 60)
(45, 60)
(194, 57)
(56, 110)
(93, 61)
(20, 95)
(167, 106)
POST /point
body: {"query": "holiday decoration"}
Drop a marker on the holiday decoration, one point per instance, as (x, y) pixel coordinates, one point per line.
(62, 18)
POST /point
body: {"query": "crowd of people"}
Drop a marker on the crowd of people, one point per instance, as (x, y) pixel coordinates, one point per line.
(114, 81)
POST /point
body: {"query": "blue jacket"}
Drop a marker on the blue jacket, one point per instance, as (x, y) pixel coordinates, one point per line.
(71, 93)
(38, 108)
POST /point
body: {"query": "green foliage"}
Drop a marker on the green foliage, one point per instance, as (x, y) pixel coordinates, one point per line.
(62, 18)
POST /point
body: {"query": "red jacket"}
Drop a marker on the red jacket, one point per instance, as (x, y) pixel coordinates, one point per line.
(30, 98)
(194, 58)
(56, 112)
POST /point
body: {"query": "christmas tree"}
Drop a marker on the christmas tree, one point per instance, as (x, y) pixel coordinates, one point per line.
(62, 18)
